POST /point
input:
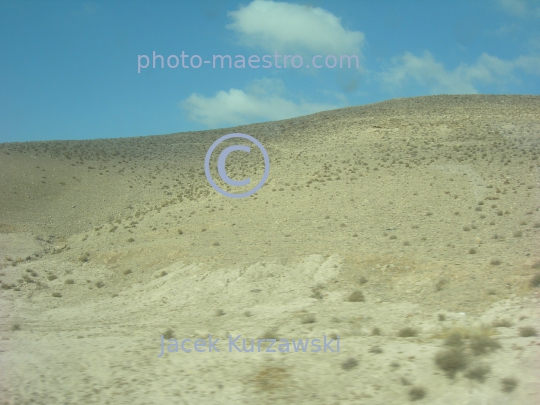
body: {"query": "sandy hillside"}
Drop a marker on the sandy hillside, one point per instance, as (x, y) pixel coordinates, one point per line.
(408, 228)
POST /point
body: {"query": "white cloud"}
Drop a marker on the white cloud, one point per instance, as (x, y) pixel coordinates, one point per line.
(506, 30)
(530, 64)
(514, 7)
(86, 9)
(489, 69)
(284, 27)
(534, 44)
(424, 71)
(261, 101)
(520, 8)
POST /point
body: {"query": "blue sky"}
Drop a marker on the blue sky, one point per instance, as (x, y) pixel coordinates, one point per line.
(69, 69)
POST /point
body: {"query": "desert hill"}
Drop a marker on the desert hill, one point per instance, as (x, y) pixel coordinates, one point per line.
(428, 206)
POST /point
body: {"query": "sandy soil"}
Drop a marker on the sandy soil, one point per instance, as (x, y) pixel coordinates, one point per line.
(409, 229)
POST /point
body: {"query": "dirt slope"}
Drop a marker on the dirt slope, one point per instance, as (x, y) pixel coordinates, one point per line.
(429, 207)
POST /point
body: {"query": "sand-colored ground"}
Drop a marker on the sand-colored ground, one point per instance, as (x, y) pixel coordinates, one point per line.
(408, 228)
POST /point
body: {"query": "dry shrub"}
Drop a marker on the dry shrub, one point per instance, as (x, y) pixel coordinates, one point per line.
(478, 373)
(349, 364)
(5, 228)
(408, 332)
(535, 280)
(169, 334)
(508, 384)
(528, 331)
(483, 344)
(356, 296)
(451, 361)
(417, 393)
(271, 378)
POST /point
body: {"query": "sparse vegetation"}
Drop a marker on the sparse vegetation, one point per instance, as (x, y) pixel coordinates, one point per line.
(271, 378)
(349, 364)
(316, 292)
(417, 393)
(454, 340)
(441, 283)
(356, 296)
(478, 373)
(310, 318)
(451, 361)
(535, 280)
(483, 344)
(455, 262)
(404, 381)
(269, 334)
(169, 334)
(407, 332)
(502, 323)
(508, 384)
(527, 331)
